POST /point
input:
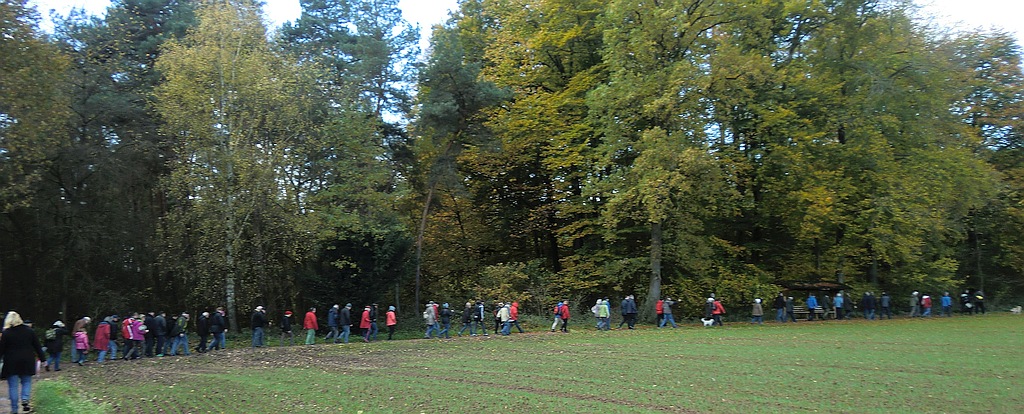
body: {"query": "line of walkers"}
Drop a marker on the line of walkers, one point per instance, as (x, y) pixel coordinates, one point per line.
(156, 334)
(870, 306)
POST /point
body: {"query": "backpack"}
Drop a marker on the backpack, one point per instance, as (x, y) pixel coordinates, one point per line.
(659, 306)
(126, 329)
(558, 308)
(51, 334)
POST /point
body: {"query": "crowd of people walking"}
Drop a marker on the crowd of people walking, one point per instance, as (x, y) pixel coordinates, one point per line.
(155, 334)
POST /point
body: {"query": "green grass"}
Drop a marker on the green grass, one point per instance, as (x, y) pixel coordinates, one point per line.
(937, 365)
(60, 397)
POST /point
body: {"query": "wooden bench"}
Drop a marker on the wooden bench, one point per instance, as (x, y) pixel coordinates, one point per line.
(800, 312)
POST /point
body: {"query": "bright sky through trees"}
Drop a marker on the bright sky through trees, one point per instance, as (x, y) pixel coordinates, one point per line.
(976, 13)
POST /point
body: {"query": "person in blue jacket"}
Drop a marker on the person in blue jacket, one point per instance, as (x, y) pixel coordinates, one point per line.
(838, 303)
(812, 304)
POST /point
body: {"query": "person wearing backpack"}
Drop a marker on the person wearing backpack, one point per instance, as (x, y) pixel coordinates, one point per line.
(54, 343)
(558, 317)
(446, 321)
(134, 332)
(180, 334)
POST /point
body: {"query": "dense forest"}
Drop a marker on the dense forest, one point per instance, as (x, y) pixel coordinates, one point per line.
(180, 155)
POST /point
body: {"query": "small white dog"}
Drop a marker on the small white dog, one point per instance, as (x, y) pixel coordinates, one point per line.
(709, 322)
(1015, 311)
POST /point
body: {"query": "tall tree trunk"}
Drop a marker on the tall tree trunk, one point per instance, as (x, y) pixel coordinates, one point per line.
(419, 242)
(654, 291)
(229, 278)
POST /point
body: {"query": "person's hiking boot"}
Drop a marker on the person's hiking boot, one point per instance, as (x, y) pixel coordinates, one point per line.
(25, 407)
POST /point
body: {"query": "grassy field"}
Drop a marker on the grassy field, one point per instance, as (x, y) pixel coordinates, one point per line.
(957, 365)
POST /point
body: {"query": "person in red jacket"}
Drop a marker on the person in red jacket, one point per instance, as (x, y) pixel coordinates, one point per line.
(514, 313)
(717, 312)
(659, 309)
(391, 321)
(364, 324)
(564, 314)
(101, 339)
(310, 325)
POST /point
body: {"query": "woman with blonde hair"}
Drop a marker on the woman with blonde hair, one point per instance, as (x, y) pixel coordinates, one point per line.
(20, 349)
(81, 340)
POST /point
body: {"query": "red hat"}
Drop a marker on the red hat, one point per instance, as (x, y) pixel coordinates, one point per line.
(287, 313)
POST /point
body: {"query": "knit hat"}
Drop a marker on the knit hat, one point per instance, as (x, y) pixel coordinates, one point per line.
(287, 313)
(58, 324)
(259, 308)
(444, 306)
(392, 308)
(757, 300)
(348, 305)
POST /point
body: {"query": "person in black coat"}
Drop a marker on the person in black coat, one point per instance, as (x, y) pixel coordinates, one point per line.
(258, 322)
(780, 308)
(203, 329)
(467, 318)
(55, 344)
(628, 310)
(160, 329)
(345, 322)
(217, 327)
(286, 327)
(20, 349)
(150, 337)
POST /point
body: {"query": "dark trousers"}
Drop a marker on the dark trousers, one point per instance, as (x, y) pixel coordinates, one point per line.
(202, 343)
(391, 331)
(885, 311)
(160, 342)
(131, 349)
(840, 314)
(565, 325)
(150, 342)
